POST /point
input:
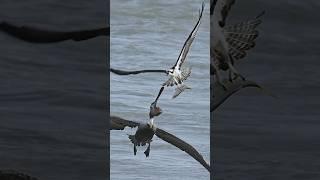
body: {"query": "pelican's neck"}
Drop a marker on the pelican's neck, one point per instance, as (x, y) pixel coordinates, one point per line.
(151, 121)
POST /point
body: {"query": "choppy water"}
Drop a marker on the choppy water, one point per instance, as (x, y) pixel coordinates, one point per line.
(258, 137)
(52, 96)
(150, 34)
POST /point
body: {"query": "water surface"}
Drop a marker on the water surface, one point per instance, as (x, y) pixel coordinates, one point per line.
(150, 34)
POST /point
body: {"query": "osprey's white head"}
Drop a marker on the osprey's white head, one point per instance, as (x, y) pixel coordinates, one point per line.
(170, 72)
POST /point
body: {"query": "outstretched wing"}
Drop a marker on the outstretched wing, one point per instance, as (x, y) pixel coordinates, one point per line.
(220, 10)
(117, 123)
(187, 44)
(183, 146)
(241, 37)
(122, 72)
(36, 35)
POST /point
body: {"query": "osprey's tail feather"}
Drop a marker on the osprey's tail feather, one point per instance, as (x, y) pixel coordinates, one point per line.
(179, 89)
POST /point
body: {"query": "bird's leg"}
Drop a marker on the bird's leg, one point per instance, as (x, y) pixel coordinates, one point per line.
(135, 149)
(147, 152)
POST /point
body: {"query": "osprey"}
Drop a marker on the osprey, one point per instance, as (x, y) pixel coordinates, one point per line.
(229, 42)
(178, 73)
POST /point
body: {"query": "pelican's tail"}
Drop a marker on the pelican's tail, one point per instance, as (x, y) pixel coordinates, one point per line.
(179, 89)
(241, 37)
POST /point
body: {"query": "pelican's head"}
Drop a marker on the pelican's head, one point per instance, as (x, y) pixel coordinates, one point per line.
(154, 110)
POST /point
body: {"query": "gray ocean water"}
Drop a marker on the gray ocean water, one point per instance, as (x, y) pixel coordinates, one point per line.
(259, 137)
(53, 96)
(149, 35)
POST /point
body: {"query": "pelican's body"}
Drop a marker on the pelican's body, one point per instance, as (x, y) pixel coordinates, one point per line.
(143, 136)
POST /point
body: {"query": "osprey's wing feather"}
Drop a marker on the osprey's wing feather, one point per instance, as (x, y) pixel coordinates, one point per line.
(187, 44)
(184, 146)
(122, 72)
(37, 35)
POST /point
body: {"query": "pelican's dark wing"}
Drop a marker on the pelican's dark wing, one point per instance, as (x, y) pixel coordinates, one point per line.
(117, 123)
(36, 35)
(220, 10)
(122, 72)
(183, 146)
(187, 44)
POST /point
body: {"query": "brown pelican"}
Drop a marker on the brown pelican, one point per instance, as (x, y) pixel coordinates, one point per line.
(145, 133)
(37, 35)
(229, 42)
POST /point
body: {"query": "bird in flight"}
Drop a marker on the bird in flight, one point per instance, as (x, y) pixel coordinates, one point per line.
(145, 133)
(177, 72)
(38, 35)
(229, 42)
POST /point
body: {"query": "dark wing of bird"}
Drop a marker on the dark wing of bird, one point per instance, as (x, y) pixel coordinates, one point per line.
(117, 123)
(187, 44)
(220, 10)
(183, 146)
(122, 72)
(37, 35)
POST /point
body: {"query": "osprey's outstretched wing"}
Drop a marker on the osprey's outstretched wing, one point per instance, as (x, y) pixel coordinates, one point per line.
(183, 146)
(117, 123)
(122, 72)
(37, 35)
(187, 44)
